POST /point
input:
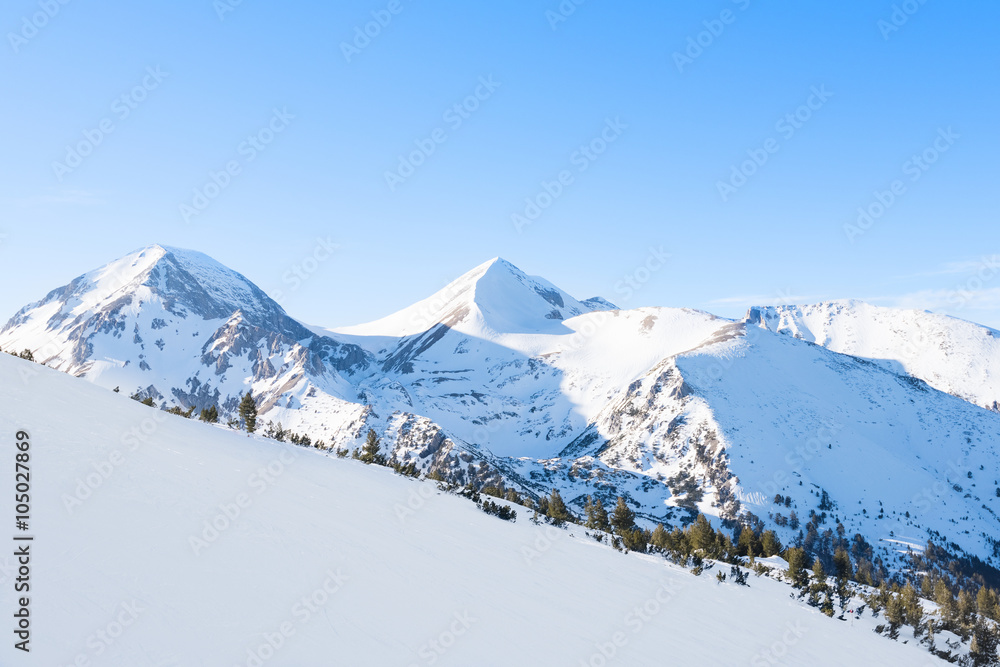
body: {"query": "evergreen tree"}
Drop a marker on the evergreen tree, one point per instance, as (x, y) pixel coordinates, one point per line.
(597, 516)
(842, 571)
(842, 565)
(27, 355)
(623, 518)
(819, 591)
(797, 567)
(370, 452)
(659, 537)
(966, 609)
(248, 412)
(913, 611)
(748, 545)
(557, 509)
(895, 614)
(770, 544)
(946, 604)
(493, 490)
(987, 604)
(635, 539)
(985, 641)
(927, 588)
(702, 536)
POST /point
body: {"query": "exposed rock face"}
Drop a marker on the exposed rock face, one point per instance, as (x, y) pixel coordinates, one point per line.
(503, 376)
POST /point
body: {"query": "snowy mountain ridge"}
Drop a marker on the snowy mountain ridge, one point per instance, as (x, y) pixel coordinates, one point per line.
(500, 375)
(316, 564)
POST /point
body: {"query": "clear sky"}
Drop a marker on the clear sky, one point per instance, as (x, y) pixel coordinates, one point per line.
(740, 138)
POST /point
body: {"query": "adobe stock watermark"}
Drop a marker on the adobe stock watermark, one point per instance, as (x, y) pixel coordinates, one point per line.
(915, 167)
(776, 652)
(696, 44)
(223, 7)
(581, 158)
(635, 621)
(928, 498)
(121, 108)
(100, 641)
(542, 543)
(415, 501)
(962, 295)
(35, 23)
(454, 117)
(306, 268)
(802, 454)
(562, 13)
(364, 34)
(259, 481)
(101, 471)
(433, 649)
(303, 611)
(786, 127)
(247, 151)
(627, 287)
(899, 17)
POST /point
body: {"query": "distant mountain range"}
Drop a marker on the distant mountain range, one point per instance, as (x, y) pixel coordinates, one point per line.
(885, 417)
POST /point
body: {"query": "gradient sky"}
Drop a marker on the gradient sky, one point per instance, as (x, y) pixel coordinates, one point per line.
(895, 89)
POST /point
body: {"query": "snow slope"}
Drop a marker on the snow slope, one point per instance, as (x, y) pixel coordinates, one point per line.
(320, 557)
(494, 297)
(953, 355)
(501, 374)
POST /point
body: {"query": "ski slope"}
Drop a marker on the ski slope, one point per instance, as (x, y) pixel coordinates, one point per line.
(337, 563)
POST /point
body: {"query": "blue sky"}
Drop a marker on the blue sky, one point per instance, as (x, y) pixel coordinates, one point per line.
(741, 138)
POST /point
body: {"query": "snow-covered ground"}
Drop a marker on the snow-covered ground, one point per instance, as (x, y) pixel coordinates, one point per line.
(323, 561)
(505, 374)
(950, 354)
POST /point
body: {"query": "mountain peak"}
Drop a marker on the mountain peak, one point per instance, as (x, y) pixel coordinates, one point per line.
(495, 297)
(184, 282)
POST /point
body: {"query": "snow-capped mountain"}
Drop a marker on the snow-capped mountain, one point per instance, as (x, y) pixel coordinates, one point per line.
(492, 299)
(953, 355)
(503, 375)
(178, 326)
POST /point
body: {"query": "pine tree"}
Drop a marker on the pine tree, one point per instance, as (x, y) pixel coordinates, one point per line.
(248, 412)
(966, 609)
(983, 649)
(770, 544)
(370, 452)
(946, 603)
(635, 539)
(748, 545)
(895, 614)
(797, 567)
(557, 509)
(659, 537)
(702, 536)
(987, 604)
(819, 591)
(913, 611)
(623, 518)
(597, 516)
